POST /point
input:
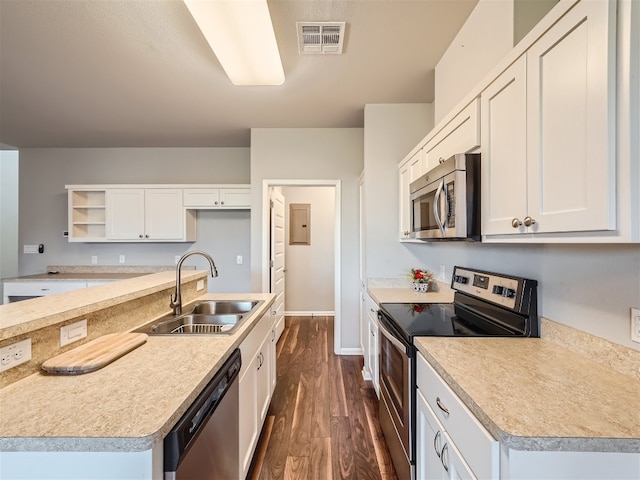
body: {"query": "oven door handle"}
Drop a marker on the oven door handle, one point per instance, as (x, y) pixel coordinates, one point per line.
(392, 338)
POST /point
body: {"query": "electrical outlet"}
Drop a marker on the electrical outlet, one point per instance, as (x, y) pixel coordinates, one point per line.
(121, 259)
(199, 285)
(15, 354)
(30, 249)
(94, 259)
(635, 324)
(239, 259)
(442, 274)
(73, 333)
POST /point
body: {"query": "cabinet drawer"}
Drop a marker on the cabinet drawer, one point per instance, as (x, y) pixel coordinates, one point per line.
(479, 449)
(39, 289)
(461, 135)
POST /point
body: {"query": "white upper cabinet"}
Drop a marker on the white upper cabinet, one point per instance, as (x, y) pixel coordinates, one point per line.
(504, 151)
(570, 122)
(214, 198)
(145, 214)
(548, 157)
(460, 135)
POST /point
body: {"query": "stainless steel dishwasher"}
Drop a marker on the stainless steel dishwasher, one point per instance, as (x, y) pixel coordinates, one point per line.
(203, 444)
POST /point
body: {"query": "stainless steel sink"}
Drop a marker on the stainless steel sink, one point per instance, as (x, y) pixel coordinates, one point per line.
(211, 317)
(213, 307)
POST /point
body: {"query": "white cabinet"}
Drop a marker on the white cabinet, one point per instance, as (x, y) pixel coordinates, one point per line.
(86, 213)
(404, 199)
(548, 131)
(471, 452)
(257, 380)
(146, 215)
(214, 198)
(14, 291)
(460, 135)
(436, 455)
(370, 340)
(504, 150)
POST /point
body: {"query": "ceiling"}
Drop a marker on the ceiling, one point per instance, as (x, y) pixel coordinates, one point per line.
(129, 73)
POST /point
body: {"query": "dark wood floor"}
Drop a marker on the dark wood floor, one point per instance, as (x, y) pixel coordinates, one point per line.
(323, 419)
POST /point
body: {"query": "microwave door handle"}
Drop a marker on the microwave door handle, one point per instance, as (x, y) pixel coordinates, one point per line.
(446, 213)
(436, 210)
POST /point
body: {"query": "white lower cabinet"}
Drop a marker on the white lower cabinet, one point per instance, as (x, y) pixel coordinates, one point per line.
(24, 290)
(257, 380)
(369, 339)
(463, 447)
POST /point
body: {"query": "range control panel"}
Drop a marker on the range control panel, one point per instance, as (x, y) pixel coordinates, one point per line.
(496, 288)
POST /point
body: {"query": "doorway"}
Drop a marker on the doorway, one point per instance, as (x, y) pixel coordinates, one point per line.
(307, 264)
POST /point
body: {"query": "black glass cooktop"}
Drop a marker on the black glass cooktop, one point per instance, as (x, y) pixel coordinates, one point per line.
(449, 320)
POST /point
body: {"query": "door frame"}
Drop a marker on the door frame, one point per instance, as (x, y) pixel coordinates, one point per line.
(337, 285)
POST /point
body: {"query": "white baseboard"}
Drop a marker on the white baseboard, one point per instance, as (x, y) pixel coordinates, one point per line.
(309, 314)
(350, 351)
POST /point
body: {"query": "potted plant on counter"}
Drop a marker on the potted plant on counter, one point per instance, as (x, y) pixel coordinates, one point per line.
(420, 279)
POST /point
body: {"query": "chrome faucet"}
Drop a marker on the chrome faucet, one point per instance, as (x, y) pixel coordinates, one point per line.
(176, 297)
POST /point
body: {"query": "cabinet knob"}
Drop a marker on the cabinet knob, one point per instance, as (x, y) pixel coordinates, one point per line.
(515, 223)
(146, 236)
(528, 221)
(215, 203)
(221, 203)
(441, 160)
(140, 236)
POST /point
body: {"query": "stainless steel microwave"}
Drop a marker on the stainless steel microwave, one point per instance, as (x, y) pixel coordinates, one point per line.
(445, 202)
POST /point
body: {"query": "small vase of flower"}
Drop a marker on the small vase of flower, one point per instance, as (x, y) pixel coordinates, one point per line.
(420, 279)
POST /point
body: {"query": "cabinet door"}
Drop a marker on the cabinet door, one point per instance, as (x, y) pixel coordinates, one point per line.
(364, 336)
(460, 135)
(415, 166)
(504, 151)
(201, 197)
(264, 380)
(571, 122)
(374, 350)
(125, 213)
(164, 214)
(235, 197)
(404, 199)
(248, 420)
(429, 443)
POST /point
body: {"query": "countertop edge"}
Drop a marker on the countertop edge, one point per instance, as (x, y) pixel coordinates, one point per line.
(574, 444)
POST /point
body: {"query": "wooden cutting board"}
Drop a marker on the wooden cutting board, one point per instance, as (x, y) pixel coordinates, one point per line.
(95, 354)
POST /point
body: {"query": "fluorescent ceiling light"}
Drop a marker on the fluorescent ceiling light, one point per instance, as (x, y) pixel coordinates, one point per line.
(241, 35)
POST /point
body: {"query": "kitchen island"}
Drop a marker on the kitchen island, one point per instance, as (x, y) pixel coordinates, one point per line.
(112, 420)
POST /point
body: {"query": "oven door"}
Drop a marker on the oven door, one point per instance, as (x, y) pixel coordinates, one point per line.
(396, 370)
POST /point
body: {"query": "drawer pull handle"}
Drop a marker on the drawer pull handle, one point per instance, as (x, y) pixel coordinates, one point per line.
(441, 406)
(436, 443)
(442, 459)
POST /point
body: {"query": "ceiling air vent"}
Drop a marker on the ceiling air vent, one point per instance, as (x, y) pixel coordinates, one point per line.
(320, 37)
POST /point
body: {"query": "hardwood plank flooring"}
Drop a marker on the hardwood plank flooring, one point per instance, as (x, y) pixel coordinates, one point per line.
(322, 423)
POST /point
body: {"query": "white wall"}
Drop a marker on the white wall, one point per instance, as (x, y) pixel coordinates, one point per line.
(8, 214)
(313, 154)
(483, 40)
(390, 132)
(310, 275)
(43, 207)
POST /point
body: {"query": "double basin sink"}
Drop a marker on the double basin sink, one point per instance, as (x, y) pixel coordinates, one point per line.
(209, 317)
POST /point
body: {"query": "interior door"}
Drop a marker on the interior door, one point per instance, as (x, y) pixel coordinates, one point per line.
(277, 258)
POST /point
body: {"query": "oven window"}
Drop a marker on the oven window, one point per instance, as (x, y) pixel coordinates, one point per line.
(394, 374)
(423, 217)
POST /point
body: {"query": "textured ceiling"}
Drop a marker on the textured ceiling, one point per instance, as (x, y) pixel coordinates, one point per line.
(110, 73)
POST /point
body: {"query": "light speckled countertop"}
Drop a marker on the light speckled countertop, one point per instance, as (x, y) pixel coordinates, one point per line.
(532, 394)
(129, 405)
(408, 295)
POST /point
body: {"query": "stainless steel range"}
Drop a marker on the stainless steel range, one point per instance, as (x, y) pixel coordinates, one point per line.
(485, 305)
